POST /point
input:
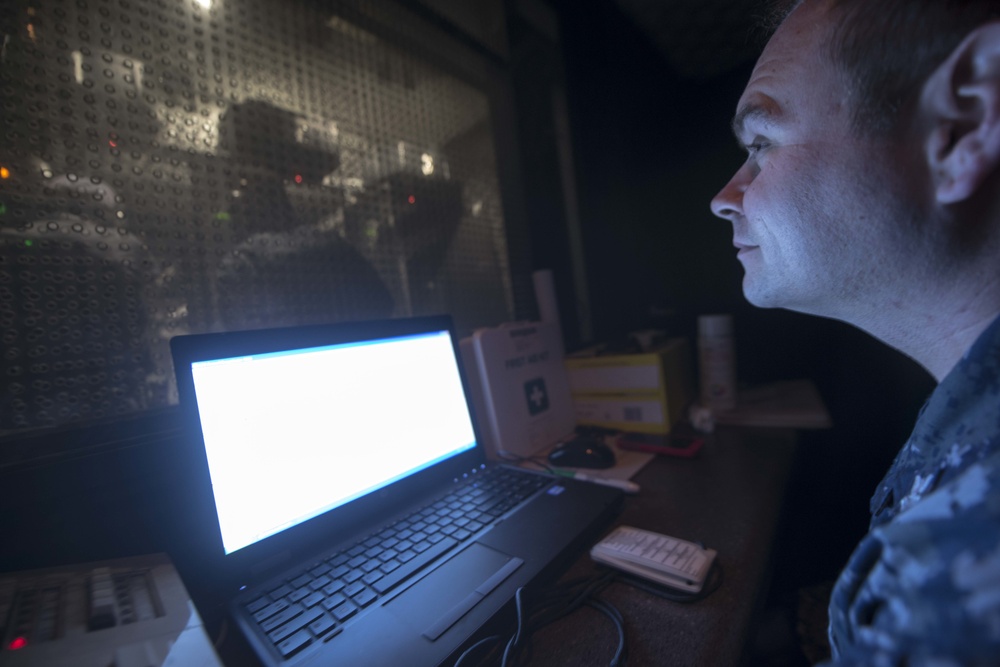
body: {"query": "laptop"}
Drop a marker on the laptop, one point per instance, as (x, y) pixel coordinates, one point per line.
(341, 498)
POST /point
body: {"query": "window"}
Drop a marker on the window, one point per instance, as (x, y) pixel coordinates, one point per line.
(178, 166)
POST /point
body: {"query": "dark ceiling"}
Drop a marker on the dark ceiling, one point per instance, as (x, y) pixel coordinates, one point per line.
(700, 38)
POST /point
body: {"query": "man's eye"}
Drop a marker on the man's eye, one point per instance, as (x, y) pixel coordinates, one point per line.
(756, 147)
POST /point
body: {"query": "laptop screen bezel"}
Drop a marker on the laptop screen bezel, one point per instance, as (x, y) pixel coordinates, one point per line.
(347, 521)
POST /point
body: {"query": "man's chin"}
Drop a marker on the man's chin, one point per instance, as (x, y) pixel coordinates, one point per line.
(762, 298)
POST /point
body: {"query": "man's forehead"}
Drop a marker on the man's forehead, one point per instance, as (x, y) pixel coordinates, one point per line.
(790, 61)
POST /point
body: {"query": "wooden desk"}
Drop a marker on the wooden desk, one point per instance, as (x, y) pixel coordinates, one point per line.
(729, 499)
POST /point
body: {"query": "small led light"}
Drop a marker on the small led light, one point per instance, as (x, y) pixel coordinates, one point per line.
(4, 172)
(17, 642)
(412, 199)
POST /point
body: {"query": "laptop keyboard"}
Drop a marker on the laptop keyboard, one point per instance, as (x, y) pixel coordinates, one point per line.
(312, 605)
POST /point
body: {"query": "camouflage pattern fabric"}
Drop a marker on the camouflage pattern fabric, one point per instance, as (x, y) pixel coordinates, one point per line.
(923, 586)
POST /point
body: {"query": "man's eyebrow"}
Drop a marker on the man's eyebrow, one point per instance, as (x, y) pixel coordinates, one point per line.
(748, 112)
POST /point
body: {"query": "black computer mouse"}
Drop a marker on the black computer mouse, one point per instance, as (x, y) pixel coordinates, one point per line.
(582, 453)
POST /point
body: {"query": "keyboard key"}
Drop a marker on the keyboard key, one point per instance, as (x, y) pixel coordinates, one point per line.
(414, 565)
(461, 534)
(354, 589)
(334, 601)
(281, 618)
(353, 576)
(258, 604)
(334, 587)
(345, 611)
(364, 598)
(372, 577)
(322, 625)
(294, 644)
(338, 560)
(299, 582)
(319, 583)
(298, 594)
(390, 566)
(313, 599)
(320, 570)
(281, 592)
(339, 571)
(270, 610)
(294, 625)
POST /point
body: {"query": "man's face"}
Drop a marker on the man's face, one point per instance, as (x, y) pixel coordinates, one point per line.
(809, 205)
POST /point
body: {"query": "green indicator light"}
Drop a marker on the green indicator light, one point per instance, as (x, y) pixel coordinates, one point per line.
(29, 243)
(3, 209)
(222, 216)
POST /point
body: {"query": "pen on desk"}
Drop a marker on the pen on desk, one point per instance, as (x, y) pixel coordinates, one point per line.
(628, 486)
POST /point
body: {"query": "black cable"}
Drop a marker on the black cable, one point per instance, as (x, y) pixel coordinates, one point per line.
(555, 602)
(467, 652)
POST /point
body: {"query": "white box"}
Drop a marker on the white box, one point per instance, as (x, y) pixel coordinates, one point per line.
(519, 387)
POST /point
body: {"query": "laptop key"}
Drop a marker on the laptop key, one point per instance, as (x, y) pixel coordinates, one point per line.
(295, 625)
(313, 599)
(298, 594)
(281, 591)
(258, 604)
(364, 598)
(300, 581)
(334, 601)
(334, 587)
(322, 625)
(345, 611)
(401, 574)
(294, 644)
(281, 618)
(354, 589)
(320, 570)
(319, 583)
(270, 610)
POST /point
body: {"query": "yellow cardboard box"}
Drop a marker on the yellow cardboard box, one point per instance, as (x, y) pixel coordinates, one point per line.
(646, 392)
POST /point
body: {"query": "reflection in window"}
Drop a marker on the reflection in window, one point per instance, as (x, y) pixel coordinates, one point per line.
(177, 167)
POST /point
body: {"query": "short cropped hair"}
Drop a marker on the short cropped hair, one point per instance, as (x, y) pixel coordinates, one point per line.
(886, 49)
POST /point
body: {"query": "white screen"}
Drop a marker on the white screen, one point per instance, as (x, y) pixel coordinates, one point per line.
(290, 435)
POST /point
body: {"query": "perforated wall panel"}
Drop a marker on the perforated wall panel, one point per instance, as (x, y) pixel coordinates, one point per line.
(176, 166)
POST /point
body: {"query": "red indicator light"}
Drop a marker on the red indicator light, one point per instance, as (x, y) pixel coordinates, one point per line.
(112, 144)
(412, 199)
(18, 642)
(298, 178)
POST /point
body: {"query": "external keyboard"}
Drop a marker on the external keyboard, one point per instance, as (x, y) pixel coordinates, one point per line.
(312, 605)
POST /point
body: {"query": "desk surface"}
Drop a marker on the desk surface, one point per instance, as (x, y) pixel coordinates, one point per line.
(729, 499)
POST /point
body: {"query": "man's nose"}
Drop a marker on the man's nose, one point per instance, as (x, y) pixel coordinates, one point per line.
(728, 203)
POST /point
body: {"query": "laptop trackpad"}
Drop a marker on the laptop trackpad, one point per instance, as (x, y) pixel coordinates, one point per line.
(440, 599)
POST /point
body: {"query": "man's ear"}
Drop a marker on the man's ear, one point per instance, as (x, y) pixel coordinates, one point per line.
(963, 98)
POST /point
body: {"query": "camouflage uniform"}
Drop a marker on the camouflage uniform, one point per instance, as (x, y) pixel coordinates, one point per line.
(923, 587)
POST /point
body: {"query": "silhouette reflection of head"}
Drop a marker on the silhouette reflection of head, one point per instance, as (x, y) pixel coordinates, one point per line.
(285, 270)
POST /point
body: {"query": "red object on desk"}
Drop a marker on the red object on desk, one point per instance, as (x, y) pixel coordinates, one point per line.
(680, 445)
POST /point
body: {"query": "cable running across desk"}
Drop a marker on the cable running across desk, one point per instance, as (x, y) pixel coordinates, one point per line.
(563, 599)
